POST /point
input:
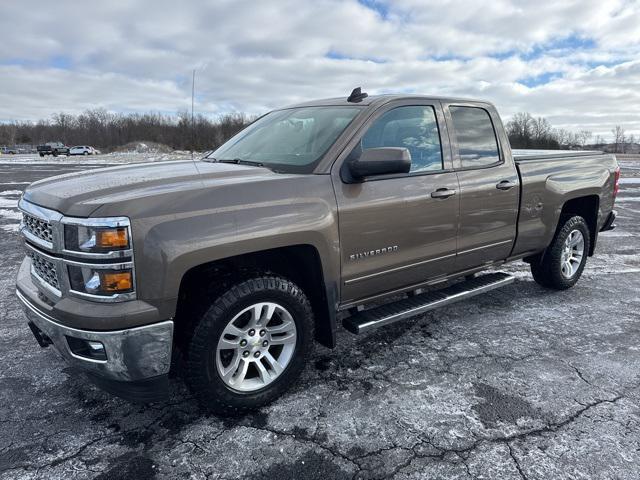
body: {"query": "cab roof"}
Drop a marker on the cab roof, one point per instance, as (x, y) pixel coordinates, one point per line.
(376, 100)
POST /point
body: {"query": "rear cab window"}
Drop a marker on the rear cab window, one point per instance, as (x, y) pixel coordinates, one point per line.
(476, 137)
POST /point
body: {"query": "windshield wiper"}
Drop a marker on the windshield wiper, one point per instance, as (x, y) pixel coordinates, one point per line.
(240, 161)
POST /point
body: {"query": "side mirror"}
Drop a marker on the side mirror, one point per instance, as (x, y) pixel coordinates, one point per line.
(380, 161)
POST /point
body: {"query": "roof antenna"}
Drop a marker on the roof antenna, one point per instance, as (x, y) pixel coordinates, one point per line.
(357, 95)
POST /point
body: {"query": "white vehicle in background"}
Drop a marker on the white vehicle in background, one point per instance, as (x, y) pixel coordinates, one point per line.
(83, 150)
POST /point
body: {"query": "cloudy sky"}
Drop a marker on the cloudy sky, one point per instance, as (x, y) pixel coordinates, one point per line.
(575, 62)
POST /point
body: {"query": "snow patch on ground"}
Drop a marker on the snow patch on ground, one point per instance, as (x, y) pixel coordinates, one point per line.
(10, 214)
(617, 233)
(604, 270)
(10, 192)
(629, 181)
(8, 202)
(114, 158)
(11, 227)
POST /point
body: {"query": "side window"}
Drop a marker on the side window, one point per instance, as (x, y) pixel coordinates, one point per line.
(414, 128)
(477, 144)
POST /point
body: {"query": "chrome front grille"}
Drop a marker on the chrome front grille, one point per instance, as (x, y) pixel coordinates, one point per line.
(44, 269)
(38, 227)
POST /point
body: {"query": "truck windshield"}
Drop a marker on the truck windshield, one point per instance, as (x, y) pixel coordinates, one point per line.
(290, 141)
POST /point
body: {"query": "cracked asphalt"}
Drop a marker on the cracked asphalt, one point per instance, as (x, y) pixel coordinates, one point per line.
(521, 383)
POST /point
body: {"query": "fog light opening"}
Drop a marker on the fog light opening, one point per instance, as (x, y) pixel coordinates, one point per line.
(90, 349)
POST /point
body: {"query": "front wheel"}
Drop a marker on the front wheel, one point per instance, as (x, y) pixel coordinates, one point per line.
(564, 259)
(250, 345)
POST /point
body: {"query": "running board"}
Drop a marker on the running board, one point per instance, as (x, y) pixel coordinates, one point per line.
(409, 307)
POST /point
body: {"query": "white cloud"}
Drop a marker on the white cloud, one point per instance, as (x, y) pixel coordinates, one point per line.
(253, 56)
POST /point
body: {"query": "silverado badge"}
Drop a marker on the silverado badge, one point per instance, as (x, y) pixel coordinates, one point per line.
(373, 253)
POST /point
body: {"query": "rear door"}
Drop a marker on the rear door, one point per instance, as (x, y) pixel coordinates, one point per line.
(489, 185)
(393, 233)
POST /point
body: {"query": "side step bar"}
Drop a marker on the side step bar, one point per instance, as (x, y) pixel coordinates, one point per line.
(409, 307)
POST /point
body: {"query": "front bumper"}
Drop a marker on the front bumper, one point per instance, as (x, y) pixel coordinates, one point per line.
(139, 355)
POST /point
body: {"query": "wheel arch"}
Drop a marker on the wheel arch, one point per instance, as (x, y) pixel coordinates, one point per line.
(299, 263)
(587, 207)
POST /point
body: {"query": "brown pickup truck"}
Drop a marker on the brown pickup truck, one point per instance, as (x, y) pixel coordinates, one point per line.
(360, 211)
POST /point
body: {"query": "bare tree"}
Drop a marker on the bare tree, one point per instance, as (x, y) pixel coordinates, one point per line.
(583, 137)
(541, 129)
(630, 146)
(618, 139)
(8, 134)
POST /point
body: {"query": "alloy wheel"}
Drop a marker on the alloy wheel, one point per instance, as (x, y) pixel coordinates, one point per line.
(256, 346)
(572, 253)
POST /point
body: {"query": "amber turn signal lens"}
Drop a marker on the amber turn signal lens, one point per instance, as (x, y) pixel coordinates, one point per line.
(116, 282)
(112, 238)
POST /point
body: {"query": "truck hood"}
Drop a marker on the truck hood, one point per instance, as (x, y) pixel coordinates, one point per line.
(82, 193)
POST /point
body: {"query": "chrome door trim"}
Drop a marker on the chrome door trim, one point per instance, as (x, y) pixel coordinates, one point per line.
(484, 247)
(397, 269)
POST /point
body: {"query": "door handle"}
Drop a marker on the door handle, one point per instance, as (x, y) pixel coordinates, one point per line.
(442, 193)
(506, 185)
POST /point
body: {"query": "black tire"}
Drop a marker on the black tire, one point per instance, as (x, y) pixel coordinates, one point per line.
(547, 271)
(200, 372)
(55, 153)
(42, 154)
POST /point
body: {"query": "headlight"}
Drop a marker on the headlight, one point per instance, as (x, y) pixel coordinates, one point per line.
(99, 258)
(96, 239)
(101, 281)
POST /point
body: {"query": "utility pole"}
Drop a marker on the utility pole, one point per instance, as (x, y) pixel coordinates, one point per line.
(193, 124)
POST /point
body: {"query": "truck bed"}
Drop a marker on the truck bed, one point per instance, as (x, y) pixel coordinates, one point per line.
(549, 179)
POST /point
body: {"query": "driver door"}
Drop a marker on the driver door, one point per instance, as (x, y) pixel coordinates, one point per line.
(395, 230)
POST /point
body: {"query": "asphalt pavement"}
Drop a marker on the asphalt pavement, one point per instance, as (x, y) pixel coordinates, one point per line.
(520, 383)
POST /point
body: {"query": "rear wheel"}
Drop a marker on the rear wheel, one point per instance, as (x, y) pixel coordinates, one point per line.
(250, 345)
(564, 260)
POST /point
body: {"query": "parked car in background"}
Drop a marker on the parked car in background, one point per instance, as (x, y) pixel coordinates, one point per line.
(53, 148)
(83, 150)
(8, 150)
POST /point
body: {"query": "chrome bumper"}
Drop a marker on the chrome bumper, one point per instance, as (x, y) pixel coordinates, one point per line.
(131, 355)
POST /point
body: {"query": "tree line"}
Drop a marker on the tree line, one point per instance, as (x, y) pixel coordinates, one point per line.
(525, 131)
(107, 131)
